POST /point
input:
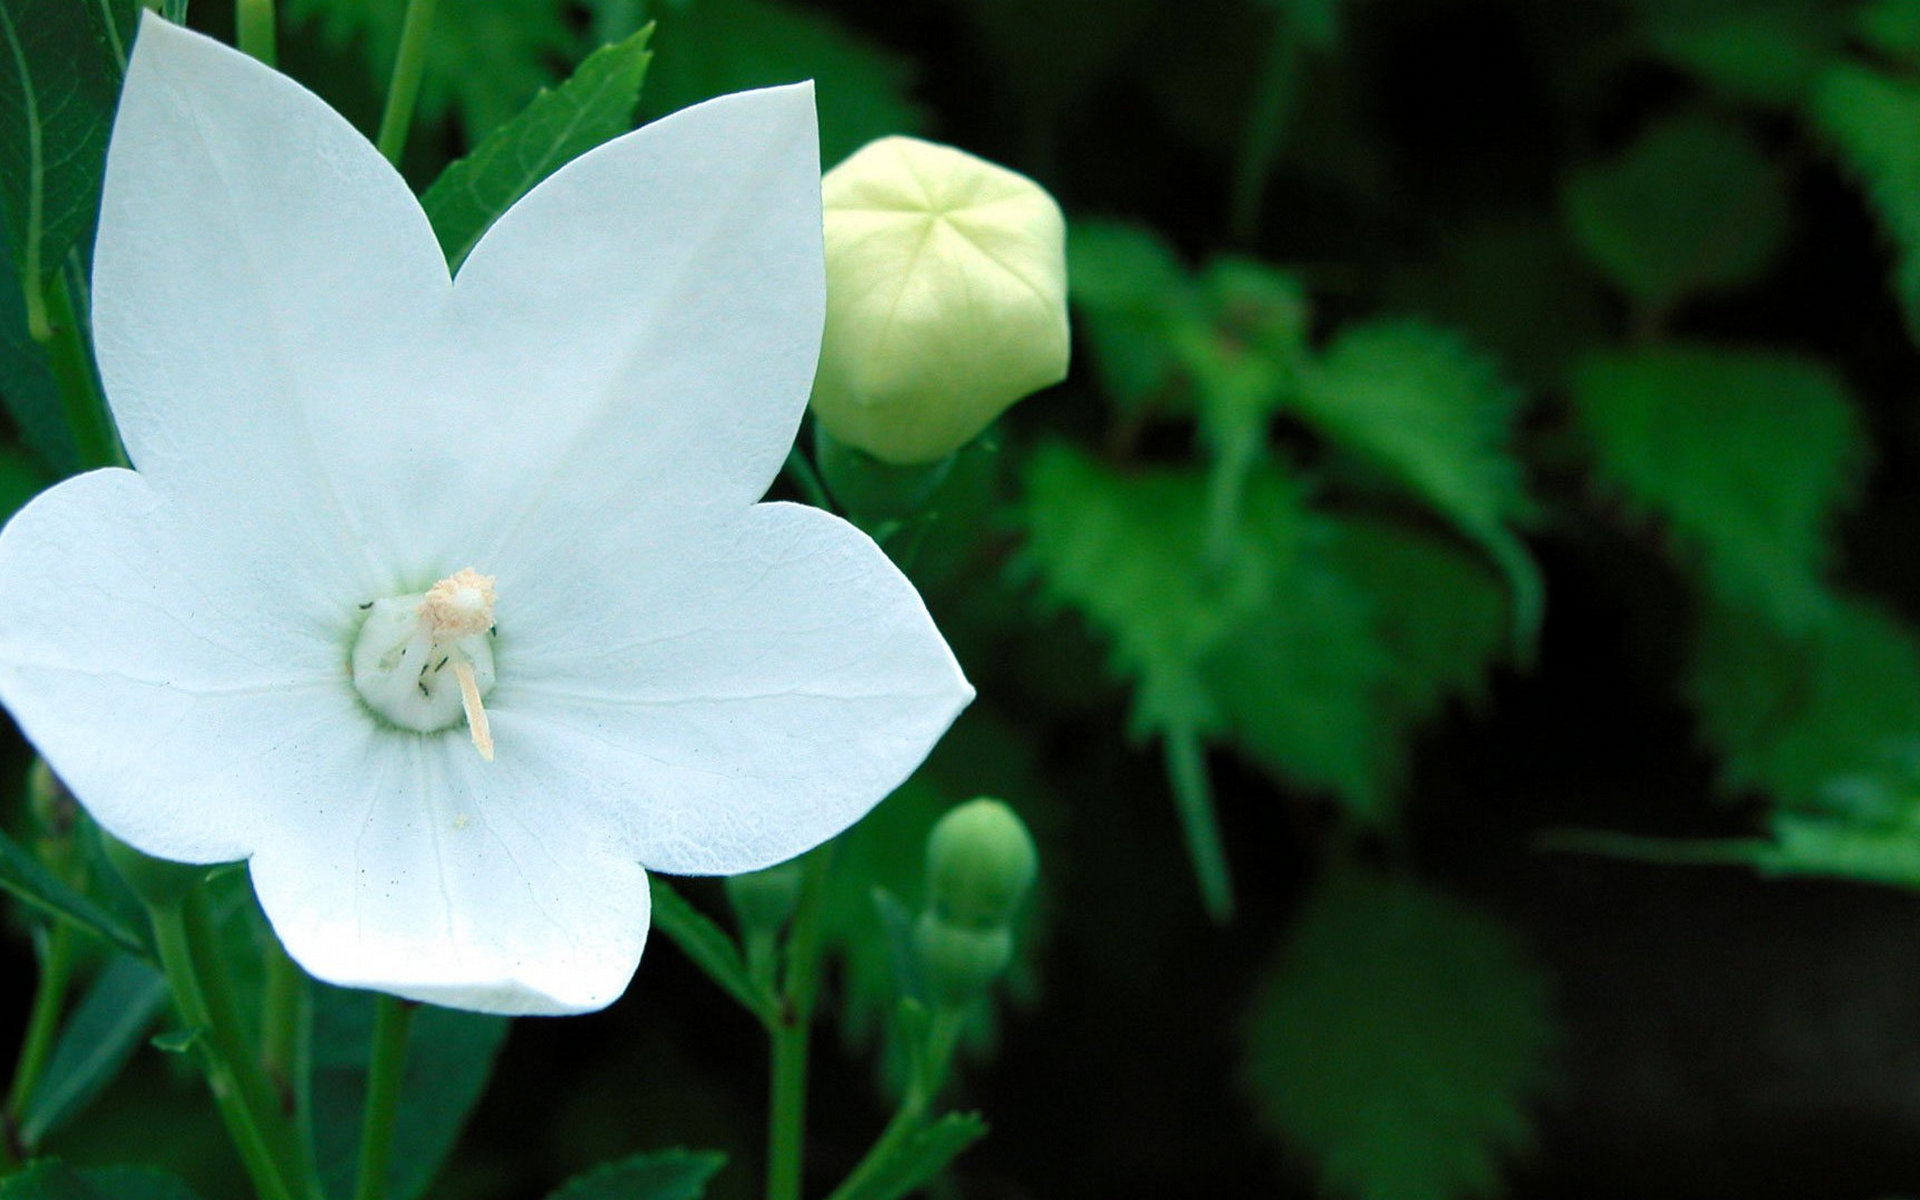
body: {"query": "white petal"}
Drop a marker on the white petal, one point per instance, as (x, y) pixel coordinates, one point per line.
(182, 691)
(264, 290)
(652, 314)
(728, 700)
(447, 879)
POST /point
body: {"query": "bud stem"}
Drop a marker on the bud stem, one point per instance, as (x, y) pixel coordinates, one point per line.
(409, 64)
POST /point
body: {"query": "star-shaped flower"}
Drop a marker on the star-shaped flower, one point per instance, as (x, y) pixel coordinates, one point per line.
(448, 604)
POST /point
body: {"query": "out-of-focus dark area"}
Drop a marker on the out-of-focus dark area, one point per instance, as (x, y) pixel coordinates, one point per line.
(1486, 482)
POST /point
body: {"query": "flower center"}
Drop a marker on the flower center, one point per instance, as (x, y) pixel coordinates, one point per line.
(424, 661)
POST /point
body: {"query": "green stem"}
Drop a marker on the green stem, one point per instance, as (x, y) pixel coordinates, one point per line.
(279, 1019)
(253, 21)
(1193, 794)
(1272, 108)
(408, 66)
(942, 1036)
(43, 1022)
(173, 936)
(392, 1019)
(790, 1033)
(86, 409)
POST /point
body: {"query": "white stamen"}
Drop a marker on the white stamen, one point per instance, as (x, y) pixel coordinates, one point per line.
(425, 660)
(476, 715)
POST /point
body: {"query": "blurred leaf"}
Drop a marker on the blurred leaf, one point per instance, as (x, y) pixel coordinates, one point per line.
(917, 1161)
(708, 945)
(1422, 405)
(51, 1180)
(19, 480)
(58, 81)
(1745, 456)
(27, 387)
(594, 105)
(1791, 712)
(484, 61)
(1873, 123)
(449, 1057)
(1693, 206)
(658, 1175)
(1130, 292)
(1760, 51)
(1891, 27)
(111, 1022)
(718, 46)
(1130, 553)
(22, 875)
(1397, 1041)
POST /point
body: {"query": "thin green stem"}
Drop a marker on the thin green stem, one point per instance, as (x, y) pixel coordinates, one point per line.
(791, 1032)
(943, 1034)
(173, 939)
(392, 1019)
(43, 1021)
(253, 22)
(1273, 103)
(1193, 795)
(86, 408)
(279, 1019)
(408, 66)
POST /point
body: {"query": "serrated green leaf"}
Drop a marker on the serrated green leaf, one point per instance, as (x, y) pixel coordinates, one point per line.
(1873, 123)
(23, 875)
(1426, 408)
(1398, 1040)
(449, 1057)
(51, 1180)
(708, 945)
(108, 1026)
(658, 1175)
(58, 82)
(485, 61)
(1745, 456)
(1691, 207)
(1130, 553)
(594, 105)
(919, 1159)
(1791, 712)
(1762, 51)
(719, 46)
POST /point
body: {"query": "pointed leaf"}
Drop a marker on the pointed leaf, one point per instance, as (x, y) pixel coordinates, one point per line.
(22, 875)
(1873, 123)
(1398, 1041)
(449, 1057)
(659, 1175)
(919, 1159)
(108, 1026)
(51, 1180)
(708, 945)
(595, 105)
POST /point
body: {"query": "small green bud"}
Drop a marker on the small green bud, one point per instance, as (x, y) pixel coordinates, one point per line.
(867, 487)
(946, 298)
(764, 900)
(980, 864)
(158, 882)
(958, 964)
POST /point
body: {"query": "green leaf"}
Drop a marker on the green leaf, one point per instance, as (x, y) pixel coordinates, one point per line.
(1130, 553)
(1130, 292)
(1761, 51)
(58, 83)
(919, 1159)
(23, 875)
(27, 386)
(484, 61)
(449, 1057)
(19, 481)
(659, 1175)
(1398, 1041)
(1693, 206)
(1873, 124)
(1890, 27)
(593, 106)
(708, 945)
(1745, 457)
(1424, 407)
(108, 1026)
(50, 1180)
(1790, 712)
(718, 46)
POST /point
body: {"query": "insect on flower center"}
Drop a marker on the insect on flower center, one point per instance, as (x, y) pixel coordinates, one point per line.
(425, 660)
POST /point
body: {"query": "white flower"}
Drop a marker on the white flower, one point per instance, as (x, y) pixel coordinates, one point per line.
(449, 605)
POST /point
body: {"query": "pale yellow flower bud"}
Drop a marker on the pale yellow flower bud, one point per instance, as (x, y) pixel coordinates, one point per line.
(946, 298)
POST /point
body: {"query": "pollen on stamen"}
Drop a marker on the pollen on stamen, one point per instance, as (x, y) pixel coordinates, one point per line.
(460, 605)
